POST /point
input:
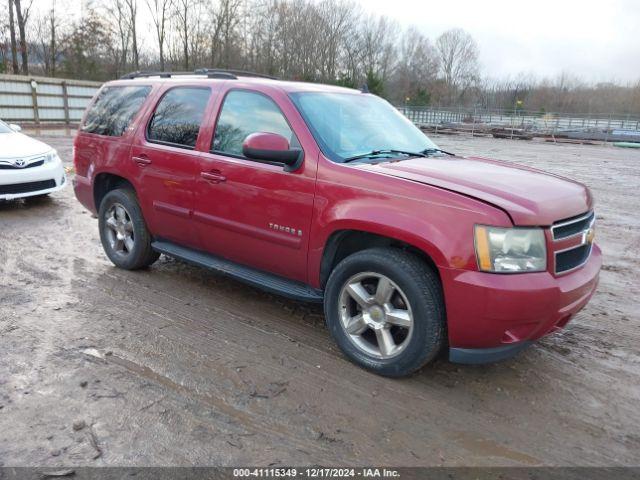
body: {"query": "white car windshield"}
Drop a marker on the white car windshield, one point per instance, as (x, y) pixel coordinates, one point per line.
(4, 128)
(347, 125)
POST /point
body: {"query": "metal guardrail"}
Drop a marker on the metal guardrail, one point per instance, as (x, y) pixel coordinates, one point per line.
(549, 123)
(39, 100)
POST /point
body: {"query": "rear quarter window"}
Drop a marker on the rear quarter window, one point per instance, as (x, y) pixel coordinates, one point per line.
(114, 109)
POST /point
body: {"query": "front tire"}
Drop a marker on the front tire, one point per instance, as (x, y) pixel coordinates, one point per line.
(385, 309)
(123, 231)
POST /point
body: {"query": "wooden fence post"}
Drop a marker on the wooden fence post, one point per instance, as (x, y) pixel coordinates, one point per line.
(34, 101)
(65, 101)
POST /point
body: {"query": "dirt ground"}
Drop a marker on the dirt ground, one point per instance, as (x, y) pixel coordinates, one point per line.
(176, 366)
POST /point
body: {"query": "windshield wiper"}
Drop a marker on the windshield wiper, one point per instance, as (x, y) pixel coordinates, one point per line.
(427, 151)
(375, 153)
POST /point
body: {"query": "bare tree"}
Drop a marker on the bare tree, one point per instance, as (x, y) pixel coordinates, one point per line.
(417, 69)
(305, 54)
(53, 51)
(22, 16)
(377, 43)
(132, 7)
(87, 49)
(459, 64)
(118, 14)
(261, 44)
(12, 33)
(200, 35)
(183, 17)
(4, 40)
(189, 39)
(227, 19)
(336, 18)
(45, 39)
(159, 11)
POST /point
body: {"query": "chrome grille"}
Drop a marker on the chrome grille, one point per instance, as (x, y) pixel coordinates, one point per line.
(580, 229)
(572, 226)
(9, 164)
(5, 166)
(567, 260)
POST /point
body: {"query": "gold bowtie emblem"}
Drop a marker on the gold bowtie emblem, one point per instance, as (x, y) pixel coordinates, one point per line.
(589, 235)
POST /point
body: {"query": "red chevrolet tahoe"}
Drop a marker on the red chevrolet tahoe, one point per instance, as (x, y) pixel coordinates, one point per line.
(328, 194)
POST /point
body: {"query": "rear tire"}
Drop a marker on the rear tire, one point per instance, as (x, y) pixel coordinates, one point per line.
(123, 231)
(385, 309)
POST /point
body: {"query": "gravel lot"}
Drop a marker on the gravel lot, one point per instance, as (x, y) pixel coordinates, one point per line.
(176, 366)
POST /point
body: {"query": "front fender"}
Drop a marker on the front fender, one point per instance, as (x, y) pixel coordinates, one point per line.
(439, 223)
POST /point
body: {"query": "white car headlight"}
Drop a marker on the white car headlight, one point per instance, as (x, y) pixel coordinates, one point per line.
(510, 250)
(52, 156)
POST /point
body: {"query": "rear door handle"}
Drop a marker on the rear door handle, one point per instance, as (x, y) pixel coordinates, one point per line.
(213, 176)
(142, 160)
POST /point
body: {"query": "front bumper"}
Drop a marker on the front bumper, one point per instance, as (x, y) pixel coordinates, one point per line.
(493, 316)
(49, 171)
(475, 356)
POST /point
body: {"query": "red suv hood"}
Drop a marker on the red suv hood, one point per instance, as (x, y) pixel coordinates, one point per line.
(529, 196)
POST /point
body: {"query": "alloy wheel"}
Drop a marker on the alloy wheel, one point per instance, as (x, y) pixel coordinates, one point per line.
(375, 314)
(119, 229)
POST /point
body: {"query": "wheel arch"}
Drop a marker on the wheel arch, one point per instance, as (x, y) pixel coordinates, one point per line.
(104, 182)
(344, 242)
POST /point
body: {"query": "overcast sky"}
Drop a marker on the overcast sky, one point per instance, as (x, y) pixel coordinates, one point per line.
(595, 40)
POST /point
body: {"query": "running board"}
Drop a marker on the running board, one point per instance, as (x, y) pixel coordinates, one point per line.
(257, 278)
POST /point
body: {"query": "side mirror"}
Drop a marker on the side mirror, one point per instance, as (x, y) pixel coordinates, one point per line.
(15, 128)
(271, 147)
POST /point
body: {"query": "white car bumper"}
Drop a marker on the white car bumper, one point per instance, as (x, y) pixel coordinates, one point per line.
(28, 182)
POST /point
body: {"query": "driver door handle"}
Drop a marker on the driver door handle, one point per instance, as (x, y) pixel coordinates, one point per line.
(214, 176)
(142, 160)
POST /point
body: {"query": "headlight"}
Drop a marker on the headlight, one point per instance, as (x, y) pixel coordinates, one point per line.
(510, 250)
(52, 156)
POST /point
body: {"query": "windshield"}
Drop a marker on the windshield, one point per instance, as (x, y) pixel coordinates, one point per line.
(346, 125)
(4, 128)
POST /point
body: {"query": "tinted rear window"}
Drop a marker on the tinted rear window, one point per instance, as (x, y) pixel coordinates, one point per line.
(178, 116)
(114, 109)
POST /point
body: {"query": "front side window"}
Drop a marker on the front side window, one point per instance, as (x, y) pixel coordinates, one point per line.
(178, 116)
(350, 124)
(244, 113)
(114, 109)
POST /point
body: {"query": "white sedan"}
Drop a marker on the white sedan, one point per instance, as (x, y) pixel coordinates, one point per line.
(28, 167)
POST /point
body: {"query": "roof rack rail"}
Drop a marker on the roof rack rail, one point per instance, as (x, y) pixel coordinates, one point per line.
(209, 72)
(215, 73)
(139, 74)
(232, 73)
